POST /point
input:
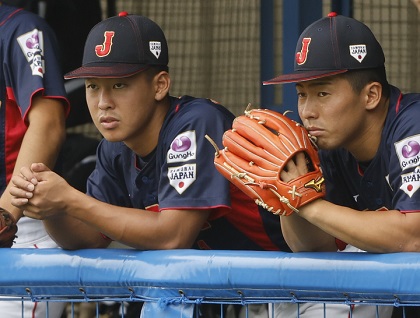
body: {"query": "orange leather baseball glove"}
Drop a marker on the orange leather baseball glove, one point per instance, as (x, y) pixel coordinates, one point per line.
(257, 149)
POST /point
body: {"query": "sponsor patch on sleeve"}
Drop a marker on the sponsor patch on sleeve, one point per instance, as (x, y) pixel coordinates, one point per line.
(183, 148)
(408, 152)
(182, 177)
(32, 46)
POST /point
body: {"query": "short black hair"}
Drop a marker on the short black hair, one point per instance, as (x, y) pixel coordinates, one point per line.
(358, 79)
(151, 71)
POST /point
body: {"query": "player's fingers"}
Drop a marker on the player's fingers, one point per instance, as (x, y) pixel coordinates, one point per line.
(21, 193)
(20, 182)
(284, 176)
(39, 167)
(294, 168)
(19, 202)
(27, 174)
(289, 172)
(32, 215)
(301, 163)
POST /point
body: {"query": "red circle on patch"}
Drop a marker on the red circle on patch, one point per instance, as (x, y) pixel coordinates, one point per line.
(410, 187)
(181, 184)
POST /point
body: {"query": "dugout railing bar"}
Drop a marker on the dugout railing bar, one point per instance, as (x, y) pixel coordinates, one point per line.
(173, 281)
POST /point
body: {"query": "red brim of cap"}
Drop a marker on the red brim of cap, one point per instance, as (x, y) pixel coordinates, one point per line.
(302, 76)
(106, 71)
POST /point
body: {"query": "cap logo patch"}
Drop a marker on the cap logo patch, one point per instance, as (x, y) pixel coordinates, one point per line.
(358, 52)
(155, 48)
(105, 48)
(303, 54)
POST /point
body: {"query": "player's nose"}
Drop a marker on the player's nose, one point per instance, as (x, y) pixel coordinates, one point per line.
(307, 109)
(105, 100)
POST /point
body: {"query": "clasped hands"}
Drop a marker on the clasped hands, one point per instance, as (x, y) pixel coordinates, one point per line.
(39, 192)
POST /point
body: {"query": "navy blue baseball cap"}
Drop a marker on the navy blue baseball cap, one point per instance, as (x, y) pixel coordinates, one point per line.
(333, 45)
(122, 46)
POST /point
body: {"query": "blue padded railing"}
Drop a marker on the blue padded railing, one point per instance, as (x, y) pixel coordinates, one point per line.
(193, 276)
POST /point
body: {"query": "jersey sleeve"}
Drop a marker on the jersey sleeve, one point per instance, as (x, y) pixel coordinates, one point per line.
(31, 61)
(188, 177)
(404, 165)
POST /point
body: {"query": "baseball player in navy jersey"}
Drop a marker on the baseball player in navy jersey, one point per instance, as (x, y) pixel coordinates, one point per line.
(32, 120)
(369, 136)
(155, 185)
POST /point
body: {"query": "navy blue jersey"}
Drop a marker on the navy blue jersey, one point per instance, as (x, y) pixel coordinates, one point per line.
(180, 174)
(25, 44)
(392, 179)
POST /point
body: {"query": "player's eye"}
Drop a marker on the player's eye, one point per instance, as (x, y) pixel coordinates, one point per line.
(119, 85)
(90, 86)
(322, 94)
(301, 95)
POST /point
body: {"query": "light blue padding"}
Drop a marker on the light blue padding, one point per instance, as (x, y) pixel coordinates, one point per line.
(156, 310)
(193, 276)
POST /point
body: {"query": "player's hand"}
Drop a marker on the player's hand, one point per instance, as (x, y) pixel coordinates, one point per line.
(23, 187)
(38, 191)
(294, 168)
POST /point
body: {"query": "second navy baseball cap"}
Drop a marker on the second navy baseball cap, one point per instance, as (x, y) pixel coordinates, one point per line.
(333, 45)
(122, 46)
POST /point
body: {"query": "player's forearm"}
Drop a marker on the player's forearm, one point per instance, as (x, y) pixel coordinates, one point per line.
(137, 228)
(371, 231)
(72, 234)
(41, 143)
(52, 199)
(302, 236)
(121, 224)
(45, 134)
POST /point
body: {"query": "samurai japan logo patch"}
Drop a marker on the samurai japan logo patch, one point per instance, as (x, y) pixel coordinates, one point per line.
(410, 182)
(359, 52)
(155, 48)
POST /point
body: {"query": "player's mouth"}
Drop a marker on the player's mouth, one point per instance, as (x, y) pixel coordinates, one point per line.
(314, 131)
(108, 122)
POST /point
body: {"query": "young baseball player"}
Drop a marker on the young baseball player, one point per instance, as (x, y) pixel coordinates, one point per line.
(33, 106)
(369, 137)
(155, 185)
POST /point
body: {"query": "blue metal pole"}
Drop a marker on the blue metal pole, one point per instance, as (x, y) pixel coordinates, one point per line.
(267, 51)
(297, 15)
(343, 7)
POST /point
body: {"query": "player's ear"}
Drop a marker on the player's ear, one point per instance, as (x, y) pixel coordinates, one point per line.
(373, 93)
(162, 85)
